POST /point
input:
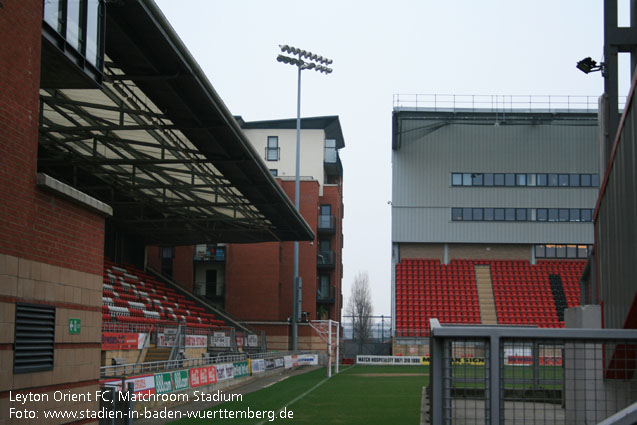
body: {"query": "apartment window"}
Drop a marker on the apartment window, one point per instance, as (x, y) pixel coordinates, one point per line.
(272, 149)
(34, 338)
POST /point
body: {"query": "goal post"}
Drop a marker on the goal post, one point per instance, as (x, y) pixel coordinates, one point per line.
(327, 330)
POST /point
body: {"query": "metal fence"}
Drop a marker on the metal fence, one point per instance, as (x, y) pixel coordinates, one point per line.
(508, 375)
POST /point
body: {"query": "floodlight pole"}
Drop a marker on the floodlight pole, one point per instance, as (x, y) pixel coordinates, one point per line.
(310, 63)
(297, 205)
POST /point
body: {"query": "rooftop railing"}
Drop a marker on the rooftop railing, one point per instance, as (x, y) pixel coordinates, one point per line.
(498, 103)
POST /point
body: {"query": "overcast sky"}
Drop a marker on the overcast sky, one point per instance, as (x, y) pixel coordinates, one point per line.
(380, 48)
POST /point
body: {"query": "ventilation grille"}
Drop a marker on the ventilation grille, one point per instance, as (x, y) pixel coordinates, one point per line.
(34, 338)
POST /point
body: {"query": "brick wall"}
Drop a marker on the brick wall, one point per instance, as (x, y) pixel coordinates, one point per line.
(34, 224)
(51, 250)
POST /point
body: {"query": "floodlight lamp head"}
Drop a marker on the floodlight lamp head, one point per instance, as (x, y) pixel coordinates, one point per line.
(588, 65)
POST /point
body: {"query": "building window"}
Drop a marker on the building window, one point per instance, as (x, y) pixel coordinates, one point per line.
(498, 179)
(488, 179)
(477, 214)
(520, 214)
(509, 179)
(562, 251)
(563, 214)
(509, 214)
(477, 179)
(499, 214)
(272, 149)
(595, 180)
(520, 179)
(585, 180)
(456, 179)
(274, 172)
(542, 214)
(586, 215)
(456, 214)
(466, 214)
(34, 338)
(466, 179)
(542, 180)
(563, 180)
(574, 180)
(553, 180)
(488, 214)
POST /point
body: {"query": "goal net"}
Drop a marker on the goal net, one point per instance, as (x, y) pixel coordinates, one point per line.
(329, 332)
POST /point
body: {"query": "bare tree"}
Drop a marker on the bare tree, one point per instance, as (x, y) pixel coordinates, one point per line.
(359, 307)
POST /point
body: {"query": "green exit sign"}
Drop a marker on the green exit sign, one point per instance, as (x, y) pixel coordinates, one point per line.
(75, 326)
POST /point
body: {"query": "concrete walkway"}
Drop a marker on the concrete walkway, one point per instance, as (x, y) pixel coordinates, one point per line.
(246, 387)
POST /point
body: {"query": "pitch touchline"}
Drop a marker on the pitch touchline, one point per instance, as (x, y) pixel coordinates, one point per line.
(294, 400)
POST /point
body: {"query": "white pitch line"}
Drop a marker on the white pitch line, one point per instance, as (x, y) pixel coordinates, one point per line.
(294, 400)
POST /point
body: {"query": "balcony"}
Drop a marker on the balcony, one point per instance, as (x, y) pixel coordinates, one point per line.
(326, 260)
(327, 224)
(326, 295)
(332, 162)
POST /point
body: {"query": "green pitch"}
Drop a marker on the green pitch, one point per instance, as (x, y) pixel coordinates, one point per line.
(357, 395)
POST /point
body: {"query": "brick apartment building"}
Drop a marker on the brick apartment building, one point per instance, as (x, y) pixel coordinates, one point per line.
(253, 282)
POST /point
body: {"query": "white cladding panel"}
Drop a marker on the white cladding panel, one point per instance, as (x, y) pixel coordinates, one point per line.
(423, 195)
(312, 151)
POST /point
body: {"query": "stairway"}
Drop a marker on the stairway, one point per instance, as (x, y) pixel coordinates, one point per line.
(155, 354)
(485, 296)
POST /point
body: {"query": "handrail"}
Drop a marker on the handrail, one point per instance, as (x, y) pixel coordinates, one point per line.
(216, 311)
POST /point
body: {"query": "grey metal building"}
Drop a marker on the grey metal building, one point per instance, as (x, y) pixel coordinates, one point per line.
(501, 182)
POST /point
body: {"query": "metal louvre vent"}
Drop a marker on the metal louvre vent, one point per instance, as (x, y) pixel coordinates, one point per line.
(34, 338)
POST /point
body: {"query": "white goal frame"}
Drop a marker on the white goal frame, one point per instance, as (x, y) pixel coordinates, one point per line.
(324, 330)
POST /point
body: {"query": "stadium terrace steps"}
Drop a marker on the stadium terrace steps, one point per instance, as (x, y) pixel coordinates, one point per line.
(156, 354)
(485, 295)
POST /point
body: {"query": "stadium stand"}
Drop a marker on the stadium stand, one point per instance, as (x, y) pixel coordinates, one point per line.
(524, 294)
(130, 296)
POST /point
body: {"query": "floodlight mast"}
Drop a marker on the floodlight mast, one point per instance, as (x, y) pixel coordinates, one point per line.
(303, 60)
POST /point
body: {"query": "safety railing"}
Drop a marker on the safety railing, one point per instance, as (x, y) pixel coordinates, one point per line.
(138, 368)
(498, 103)
(510, 375)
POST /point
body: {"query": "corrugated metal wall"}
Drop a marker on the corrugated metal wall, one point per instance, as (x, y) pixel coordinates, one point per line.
(426, 154)
(616, 229)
